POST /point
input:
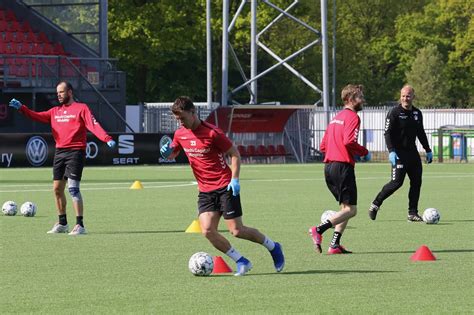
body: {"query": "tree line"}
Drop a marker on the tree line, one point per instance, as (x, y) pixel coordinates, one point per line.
(381, 44)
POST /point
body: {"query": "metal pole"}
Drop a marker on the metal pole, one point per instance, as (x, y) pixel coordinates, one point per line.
(103, 32)
(324, 36)
(225, 52)
(253, 52)
(209, 53)
(334, 21)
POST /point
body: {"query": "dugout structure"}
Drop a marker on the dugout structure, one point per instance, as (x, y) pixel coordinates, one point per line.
(262, 133)
(454, 143)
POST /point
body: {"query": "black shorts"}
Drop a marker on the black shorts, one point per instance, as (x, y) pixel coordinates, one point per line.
(220, 200)
(340, 179)
(68, 164)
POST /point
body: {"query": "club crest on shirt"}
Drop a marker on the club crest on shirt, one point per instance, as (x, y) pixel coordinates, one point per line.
(192, 143)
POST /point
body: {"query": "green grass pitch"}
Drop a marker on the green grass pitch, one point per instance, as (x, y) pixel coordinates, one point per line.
(134, 259)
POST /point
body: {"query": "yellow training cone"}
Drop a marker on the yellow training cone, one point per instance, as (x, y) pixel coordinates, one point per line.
(136, 185)
(194, 227)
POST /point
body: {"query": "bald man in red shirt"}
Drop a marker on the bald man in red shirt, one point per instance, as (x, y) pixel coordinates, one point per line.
(206, 147)
(339, 145)
(69, 122)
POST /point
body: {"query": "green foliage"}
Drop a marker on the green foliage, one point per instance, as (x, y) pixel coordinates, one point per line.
(448, 25)
(427, 76)
(162, 47)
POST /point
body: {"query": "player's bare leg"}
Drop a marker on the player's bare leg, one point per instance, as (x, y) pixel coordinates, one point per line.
(60, 200)
(209, 222)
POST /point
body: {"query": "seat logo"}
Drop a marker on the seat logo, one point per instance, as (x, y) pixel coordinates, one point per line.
(36, 151)
(126, 144)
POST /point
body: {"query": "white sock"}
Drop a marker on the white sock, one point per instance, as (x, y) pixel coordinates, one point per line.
(269, 244)
(234, 254)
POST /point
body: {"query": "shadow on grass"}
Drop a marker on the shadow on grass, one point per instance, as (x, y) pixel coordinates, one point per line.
(412, 251)
(309, 272)
(147, 232)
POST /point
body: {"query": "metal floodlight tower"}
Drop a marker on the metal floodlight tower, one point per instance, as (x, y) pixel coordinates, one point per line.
(251, 83)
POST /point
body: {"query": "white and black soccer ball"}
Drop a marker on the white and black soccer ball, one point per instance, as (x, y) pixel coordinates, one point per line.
(431, 216)
(9, 208)
(327, 215)
(201, 264)
(28, 209)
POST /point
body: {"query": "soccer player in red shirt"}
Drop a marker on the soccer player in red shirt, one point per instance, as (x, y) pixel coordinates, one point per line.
(206, 147)
(69, 123)
(339, 144)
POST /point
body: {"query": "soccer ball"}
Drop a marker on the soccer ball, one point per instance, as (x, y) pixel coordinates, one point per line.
(201, 264)
(9, 208)
(28, 209)
(431, 216)
(328, 214)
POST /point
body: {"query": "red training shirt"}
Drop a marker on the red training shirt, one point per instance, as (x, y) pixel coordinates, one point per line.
(69, 124)
(205, 148)
(340, 139)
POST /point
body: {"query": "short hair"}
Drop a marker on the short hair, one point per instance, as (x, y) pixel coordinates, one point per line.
(68, 85)
(182, 103)
(408, 86)
(350, 91)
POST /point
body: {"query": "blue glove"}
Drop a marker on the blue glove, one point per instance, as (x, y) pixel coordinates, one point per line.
(166, 150)
(393, 157)
(111, 143)
(235, 186)
(16, 104)
(367, 157)
(429, 157)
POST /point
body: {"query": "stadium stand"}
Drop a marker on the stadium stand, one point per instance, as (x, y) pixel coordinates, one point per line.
(35, 54)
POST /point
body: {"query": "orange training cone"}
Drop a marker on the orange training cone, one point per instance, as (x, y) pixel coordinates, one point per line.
(194, 227)
(423, 253)
(136, 185)
(220, 266)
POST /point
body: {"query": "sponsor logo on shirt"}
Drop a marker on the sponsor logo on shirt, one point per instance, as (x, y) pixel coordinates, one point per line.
(65, 117)
(337, 121)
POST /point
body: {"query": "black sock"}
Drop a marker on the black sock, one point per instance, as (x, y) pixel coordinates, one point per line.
(324, 226)
(62, 219)
(336, 239)
(79, 220)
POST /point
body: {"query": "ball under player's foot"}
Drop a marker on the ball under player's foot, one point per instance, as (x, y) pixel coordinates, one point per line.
(243, 266)
(278, 257)
(317, 238)
(338, 249)
(373, 211)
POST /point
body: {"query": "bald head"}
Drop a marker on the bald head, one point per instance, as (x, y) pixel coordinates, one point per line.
(407, 94)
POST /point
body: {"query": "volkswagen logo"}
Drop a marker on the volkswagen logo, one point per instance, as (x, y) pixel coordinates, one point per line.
(91, 150)
(36, 151)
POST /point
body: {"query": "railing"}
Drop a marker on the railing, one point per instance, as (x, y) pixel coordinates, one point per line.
(45, 71)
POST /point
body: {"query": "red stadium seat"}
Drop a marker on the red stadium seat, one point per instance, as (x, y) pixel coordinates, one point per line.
(2, 15)
(9, 37)
(262, 150)
(14, 26)
(251, 151)
(25, 27)
(3, 25)
(48, 49)
(242, 150)
(43, 38)
(281, 150)
(271, 150)
(29, 37)
(58, 49)
(10, 16)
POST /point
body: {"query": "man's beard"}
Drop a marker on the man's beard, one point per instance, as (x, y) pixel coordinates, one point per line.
(65, 100)
(358, 107)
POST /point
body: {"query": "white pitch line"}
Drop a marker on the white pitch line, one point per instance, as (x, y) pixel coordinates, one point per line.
(100, 188)
(195, 183)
